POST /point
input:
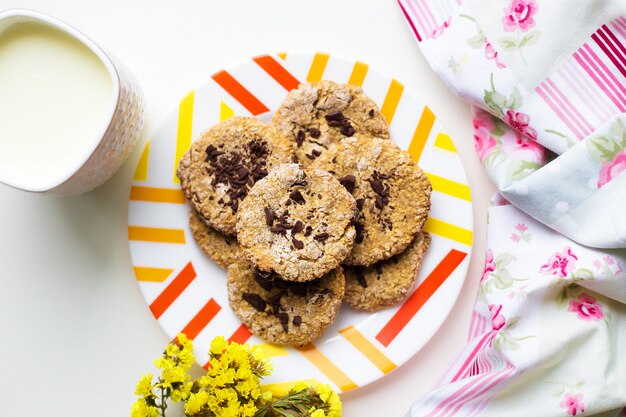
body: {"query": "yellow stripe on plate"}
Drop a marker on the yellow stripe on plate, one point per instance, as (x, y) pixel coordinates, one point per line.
(144, 273)
(449, 231)
(444, 141)
(271, 350)
(141, 172)
(282, 55)
(316, 72)
(359, 71)
(154, 234)
(327, 367)
(422, 131)
(185, 125)
(446, 186)
(371, 352)
(225, 111)
(281, 388)
(157, 195)
(392, 99)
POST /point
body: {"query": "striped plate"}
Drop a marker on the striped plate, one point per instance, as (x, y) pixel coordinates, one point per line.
(186, 292)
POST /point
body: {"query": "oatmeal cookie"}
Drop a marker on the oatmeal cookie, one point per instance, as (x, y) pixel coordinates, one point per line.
(221, 248)
(391, 191)
(386, 282)
(316, 115)
(224, 163)
(282, 312)
(296, 222)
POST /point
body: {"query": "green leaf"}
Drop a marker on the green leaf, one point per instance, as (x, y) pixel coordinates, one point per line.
(515, 100)
(495, 102)
(508, 43)
(529, 39)
(477, 41)
(512, 321)
(504, 259)
(524, 169)
(583, 273)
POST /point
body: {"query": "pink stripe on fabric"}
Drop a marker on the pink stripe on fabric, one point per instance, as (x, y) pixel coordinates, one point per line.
(613, 82)
(612, 54)
(620, 28)
(458, 393)
(582, 60)
(480, 406)
(618, 43)
(546, 97)
(429, 13)
(489, 383)
(428, 27)
(569, 108)
(480, 345)
(408, 18)
(417, 14)
(578, 84)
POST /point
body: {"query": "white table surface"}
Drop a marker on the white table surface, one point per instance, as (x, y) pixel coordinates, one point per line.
(75, 333)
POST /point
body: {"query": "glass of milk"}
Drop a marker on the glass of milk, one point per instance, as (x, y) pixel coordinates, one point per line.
(69, 113)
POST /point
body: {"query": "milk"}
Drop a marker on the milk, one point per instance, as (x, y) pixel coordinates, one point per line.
(56, 100)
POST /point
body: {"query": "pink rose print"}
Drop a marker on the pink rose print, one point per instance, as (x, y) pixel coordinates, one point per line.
(491, 53)
(586, 307)
(521, 227)
(612, 169)
(483, 119)
(490, 265)
(560, 263)
(520, 147)
(573, 404)
(519, 14)
(515, 238)
(497, 320)
(483, 142)
(519, 121)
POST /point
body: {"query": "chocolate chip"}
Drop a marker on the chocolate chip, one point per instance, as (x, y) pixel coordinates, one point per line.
(377, 186)
(299, 138)
(297, 320)
(315, 153)
(263, 282)
(297, 197)
(254, 300)
(348, 181)
(297, 228)
(371, 113)
(347, 130)
(234, 206)
(358, 228)
(284, 321)
(298, 244)
(378, 202)
(275, 299)
(212, 153)
(299, 289)
(308, 231)
(269, 216)
(335, 123)
(315, 133)
(321, 237)
(360, 276)
(336, 115)
(359, 203)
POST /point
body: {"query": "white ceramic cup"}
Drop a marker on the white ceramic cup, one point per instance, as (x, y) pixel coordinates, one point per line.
(103, 154)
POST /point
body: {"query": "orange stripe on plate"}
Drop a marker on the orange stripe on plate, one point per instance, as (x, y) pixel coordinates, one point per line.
(422, 131)
(147, 274)
(173, 290)
(200, 320)
(415, 302)
(318, 66)
(392, 99)
(141, 172)
(241, 335)
(154, 234)
(277, 72)
(328, 368)
(239, 92)
(371, 352)
(359, 71)
(157, 195)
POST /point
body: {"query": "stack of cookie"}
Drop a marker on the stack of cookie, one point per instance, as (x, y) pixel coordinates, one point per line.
(317, 208)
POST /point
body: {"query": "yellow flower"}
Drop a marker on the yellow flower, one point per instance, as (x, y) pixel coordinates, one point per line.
(324, 391)
(218, 345)
(316, 413)
(299, 386)
(196, 402)
(141, 409)
(144, 386)
(248, 409)
(334, 405)
(266, 396)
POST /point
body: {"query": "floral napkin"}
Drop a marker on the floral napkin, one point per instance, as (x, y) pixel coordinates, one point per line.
(547, 80)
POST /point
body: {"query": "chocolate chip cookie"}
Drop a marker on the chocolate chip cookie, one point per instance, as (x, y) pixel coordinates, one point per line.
(224, 163)
(296, 222)
(221, 248)
(282, 312)
(386, 282)
(316, 115)
(391, 191)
